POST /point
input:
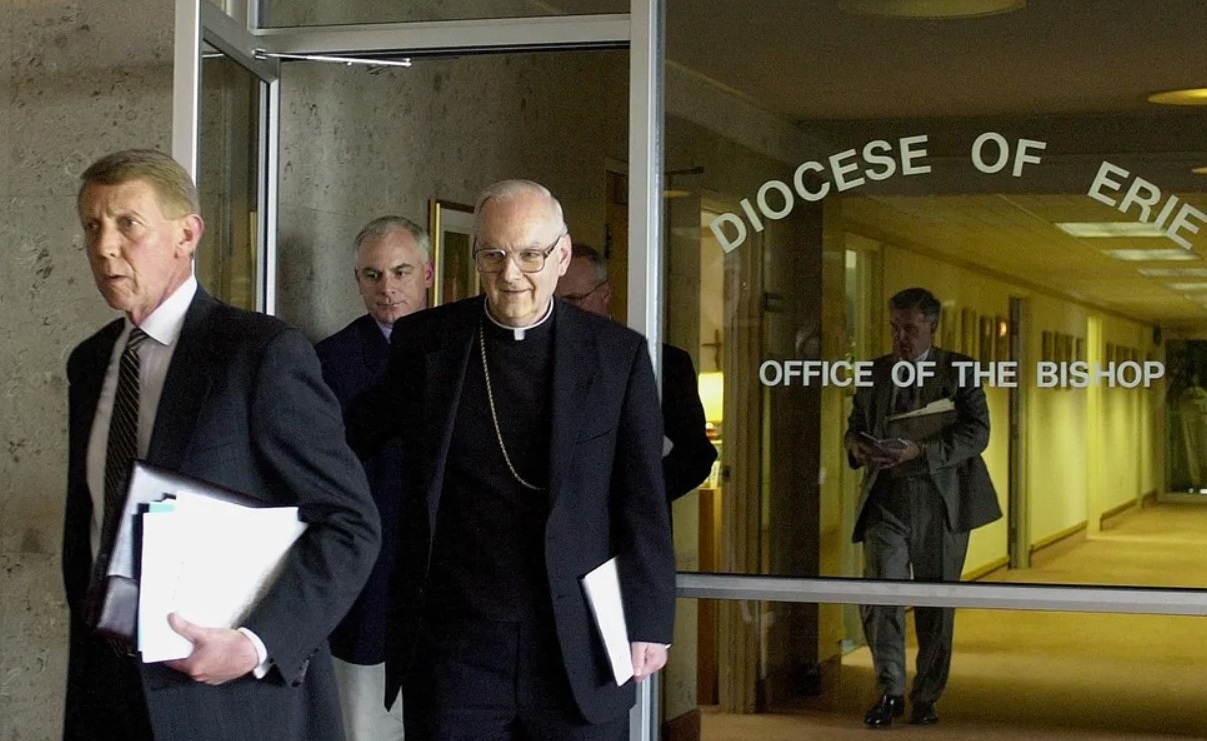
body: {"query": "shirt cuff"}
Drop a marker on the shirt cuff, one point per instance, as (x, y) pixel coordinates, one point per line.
(261, 653)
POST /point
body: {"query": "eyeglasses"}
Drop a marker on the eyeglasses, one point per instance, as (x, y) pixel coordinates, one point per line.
(576, 298)
(494, 260)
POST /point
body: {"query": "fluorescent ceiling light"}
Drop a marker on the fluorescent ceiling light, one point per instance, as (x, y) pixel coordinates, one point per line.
(1189, 96)
(1151, 255)
(1105, 229)
(931, 8)
(1191, 287)
(1174, 272)
(1199, 170)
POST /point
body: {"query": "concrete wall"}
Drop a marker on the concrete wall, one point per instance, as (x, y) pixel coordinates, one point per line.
(78, 78)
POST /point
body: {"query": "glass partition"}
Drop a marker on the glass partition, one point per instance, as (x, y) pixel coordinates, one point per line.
(359, 142)
(1014, 674)
(822, 157)
(278, 13)
(228, 262)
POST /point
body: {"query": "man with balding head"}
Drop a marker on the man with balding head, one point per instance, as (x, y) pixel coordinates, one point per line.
(223, 395)
(392, 273)
(532, 447)
(689, 454)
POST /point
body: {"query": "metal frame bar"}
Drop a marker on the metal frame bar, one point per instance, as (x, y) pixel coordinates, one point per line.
(186, 84)
(1041, 597)
(645, 173)
(235, 41)
(646, 54)
(270, 153)
(462, 37)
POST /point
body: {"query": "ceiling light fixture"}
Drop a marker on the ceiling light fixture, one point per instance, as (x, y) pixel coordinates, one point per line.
(1170, 254)
(1188, 96)
(1173, 272)
(1108, 229)
(1189, 287)
(933, 9)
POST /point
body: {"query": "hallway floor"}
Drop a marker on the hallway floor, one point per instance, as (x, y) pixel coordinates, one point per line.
(1033, 675)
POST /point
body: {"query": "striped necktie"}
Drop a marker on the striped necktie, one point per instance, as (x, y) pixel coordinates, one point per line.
(121, 451)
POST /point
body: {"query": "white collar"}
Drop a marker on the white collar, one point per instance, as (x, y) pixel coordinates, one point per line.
(518, 332)
(165, 323)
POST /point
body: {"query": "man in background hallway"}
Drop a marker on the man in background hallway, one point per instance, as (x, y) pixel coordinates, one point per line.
(690, 457)
(227, 396)
(919, 500)
(392, 272)
(531, 447)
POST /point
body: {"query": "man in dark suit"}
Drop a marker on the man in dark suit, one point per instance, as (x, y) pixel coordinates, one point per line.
(392, 274)
(532, 450)
(689, 454)
(227, 396)
(919, 500)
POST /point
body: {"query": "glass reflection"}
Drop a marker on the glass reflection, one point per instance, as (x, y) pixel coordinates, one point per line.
(276, 13)
(228, 156)
(1015, 674)
(1057, 218)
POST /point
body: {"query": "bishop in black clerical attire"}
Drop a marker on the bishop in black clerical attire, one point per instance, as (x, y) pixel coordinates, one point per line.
(532, 442)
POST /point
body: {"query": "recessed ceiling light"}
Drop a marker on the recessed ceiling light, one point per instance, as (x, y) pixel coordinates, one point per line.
(1173, 272)
(931, 8)
(1189, 287)
(1189, 96)
(1151, 255)
(1106, 229)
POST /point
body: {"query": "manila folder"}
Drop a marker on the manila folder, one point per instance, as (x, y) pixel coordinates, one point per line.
(923, 423)
(602, 586)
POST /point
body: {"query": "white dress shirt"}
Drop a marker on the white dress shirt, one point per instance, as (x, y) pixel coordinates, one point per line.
(162, 327)
(155, 354)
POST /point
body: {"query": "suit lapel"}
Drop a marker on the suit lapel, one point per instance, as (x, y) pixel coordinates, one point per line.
(185, 387)
(375, 350)
(94, 378)
(444, 374)
(575, 356)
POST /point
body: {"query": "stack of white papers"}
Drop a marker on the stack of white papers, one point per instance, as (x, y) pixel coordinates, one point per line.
(209, 561)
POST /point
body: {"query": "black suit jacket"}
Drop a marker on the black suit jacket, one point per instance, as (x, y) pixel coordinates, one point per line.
(243, 406)
(692, 453)
(352, 359)
(605, 480)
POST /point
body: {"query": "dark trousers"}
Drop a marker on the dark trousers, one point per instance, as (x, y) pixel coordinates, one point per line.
(477, 680)
(906, 536)
(105, 699)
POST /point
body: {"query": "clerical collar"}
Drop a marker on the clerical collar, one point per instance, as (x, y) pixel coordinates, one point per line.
(518, 333)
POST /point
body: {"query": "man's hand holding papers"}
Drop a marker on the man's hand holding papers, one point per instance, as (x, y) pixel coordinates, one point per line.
(219, 654)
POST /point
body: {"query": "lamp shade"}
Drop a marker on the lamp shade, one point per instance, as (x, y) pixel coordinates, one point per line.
(712, 395)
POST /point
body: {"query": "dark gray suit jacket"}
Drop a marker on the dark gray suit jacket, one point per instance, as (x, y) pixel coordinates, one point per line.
(953, 458)
(243, 406)
(605, 480)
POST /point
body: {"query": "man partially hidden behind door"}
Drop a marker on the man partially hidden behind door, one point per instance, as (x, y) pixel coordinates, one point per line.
(919, 500)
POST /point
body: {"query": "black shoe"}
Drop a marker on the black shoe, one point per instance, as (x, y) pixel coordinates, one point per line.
(882, 713)
(923, 714)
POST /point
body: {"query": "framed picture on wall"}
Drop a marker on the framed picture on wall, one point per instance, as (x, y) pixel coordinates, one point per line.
(968, 332)
(949, 328)
(451, 226)
(1001, 339)
(986, 342)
